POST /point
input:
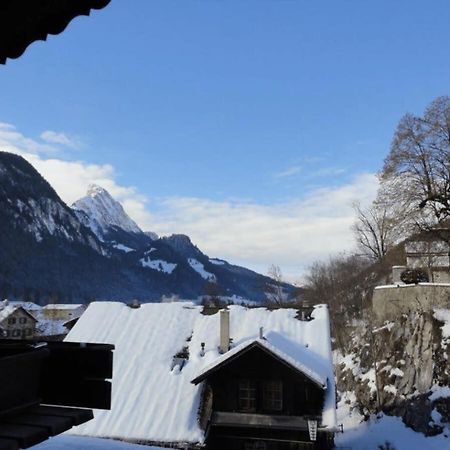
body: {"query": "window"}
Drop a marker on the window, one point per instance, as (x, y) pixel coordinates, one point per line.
(12, 320)
(247, 395)
(272, 395)
(23, 320)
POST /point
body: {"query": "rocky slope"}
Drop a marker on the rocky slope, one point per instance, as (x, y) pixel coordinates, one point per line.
(401, 368)
(29, 204)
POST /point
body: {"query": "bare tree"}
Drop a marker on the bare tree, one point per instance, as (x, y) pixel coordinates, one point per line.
(212, 293)
(342, 283)
(374, 230)
(418, 163)
(274, 289)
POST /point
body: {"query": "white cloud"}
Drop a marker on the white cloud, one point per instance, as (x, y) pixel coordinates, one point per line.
(290, 234)
(71, 179)
(328, 172)
(60, 138)
(11, 141)
(289, 172)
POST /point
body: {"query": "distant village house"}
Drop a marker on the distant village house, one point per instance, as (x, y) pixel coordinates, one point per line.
(64, 312)
(16, 322)
(431, 254)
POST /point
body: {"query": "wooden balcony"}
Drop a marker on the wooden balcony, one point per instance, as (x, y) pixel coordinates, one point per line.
(249, 420)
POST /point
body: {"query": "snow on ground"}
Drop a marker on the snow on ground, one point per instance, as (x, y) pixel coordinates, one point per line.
(439, 392)
(158, 264)
(387, 326)
(443, 315)
(351, 362)
(84, 443)
(360, 435)
(200, 269)
(123, 248)
(216, 261)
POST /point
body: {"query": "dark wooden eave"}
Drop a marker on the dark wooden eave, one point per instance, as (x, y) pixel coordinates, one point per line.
(23, 22)
(38, 380)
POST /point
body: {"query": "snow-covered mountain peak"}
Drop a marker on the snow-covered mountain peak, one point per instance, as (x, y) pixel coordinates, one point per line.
(101, 212)
(95, 189)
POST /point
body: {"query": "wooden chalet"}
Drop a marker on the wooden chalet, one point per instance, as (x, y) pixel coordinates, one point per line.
(244, 378)
(258, 397)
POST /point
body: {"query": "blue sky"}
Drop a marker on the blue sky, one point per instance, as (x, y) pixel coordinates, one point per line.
(246, 108)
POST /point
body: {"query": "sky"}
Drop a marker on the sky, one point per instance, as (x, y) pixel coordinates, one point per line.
(250, 125)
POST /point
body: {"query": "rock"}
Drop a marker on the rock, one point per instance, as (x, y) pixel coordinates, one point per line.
(410, 360)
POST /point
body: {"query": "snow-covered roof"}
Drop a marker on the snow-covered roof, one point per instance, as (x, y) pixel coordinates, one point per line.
(6, 311)
(29, 306)
(303, 363)
(63, 306)
(154, 401)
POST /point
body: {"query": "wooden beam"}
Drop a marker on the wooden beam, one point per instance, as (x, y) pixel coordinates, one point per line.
(78, 416)
(231, 419)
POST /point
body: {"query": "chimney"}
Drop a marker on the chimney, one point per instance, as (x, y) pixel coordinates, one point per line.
(135, 304)
(224, 345)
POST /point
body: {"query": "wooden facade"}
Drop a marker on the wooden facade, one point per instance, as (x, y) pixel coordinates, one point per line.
(17, 324)
(258, 402)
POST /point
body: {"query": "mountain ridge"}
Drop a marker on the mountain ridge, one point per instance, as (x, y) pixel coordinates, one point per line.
(49, 251)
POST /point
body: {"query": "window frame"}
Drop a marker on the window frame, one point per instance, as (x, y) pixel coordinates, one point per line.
(247, 395)
(260, 395)
(271, 394)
